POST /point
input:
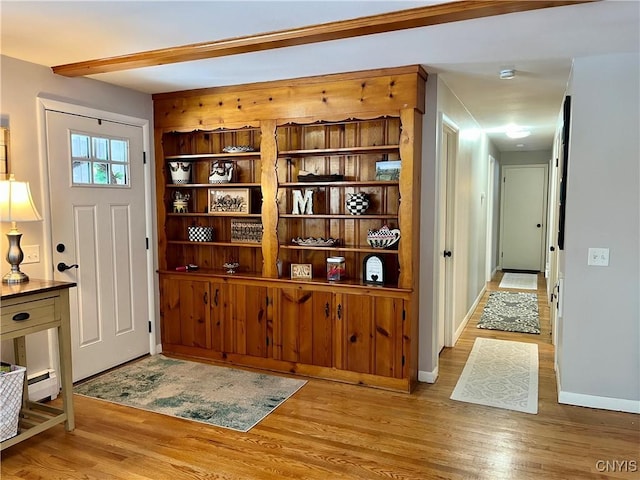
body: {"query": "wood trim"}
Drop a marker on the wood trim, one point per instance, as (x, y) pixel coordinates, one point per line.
(387, 22)
(358, 95)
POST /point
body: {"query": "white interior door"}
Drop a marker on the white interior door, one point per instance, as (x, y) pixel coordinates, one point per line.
(445, 244)
(98, 223)
(523, 217)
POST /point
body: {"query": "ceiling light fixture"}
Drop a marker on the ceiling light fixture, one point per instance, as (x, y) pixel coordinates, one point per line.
(515, 131)
(518, 133)
(507, 74)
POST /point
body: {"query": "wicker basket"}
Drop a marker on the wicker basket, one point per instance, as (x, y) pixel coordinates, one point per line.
(11, 384)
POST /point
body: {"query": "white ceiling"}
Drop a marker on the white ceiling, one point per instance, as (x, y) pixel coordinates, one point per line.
(467, 55)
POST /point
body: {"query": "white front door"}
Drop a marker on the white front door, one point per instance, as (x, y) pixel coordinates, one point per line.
(523, 217)
(98, 229)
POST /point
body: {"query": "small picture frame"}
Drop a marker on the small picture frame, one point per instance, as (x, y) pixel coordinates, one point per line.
(373, 270)
(301, 271)
(388, 171)
(246, 230)
(229, 201)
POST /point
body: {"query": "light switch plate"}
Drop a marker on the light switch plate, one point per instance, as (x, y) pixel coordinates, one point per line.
(31, 253)
(598, 257)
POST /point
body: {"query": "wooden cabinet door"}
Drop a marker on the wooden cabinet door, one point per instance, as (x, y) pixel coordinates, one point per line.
(219, 315)
(185, 313)
(368, 336)
(303, 326)
(247, 332)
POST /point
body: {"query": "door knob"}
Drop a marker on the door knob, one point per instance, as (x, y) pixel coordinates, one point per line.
(63, 266)
(539, 225)
(447, 253)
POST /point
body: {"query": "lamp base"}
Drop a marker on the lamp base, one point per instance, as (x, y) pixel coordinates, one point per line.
(14, 257)
(15, 277)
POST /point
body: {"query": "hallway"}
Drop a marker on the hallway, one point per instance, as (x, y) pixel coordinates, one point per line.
(452, 360)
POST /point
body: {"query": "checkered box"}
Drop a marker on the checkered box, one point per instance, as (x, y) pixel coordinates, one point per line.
(200, 234)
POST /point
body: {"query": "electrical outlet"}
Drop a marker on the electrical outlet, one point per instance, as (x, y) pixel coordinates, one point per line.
(598, 257)
(31, 254)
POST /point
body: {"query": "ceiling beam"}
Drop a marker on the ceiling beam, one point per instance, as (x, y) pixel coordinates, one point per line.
(387, 22)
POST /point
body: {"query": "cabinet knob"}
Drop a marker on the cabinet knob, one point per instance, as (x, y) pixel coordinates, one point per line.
(340, 311)
(205, 298)
(353, 338)
(20, 317)
(326, 310)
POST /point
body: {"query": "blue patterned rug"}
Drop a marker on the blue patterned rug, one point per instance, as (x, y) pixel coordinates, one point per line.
(511, 312)
(220, 396)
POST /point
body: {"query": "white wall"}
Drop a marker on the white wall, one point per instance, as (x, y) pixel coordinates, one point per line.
(469, 250)
(472, 170)
(532, 157)
(20, 85)
(599, 339)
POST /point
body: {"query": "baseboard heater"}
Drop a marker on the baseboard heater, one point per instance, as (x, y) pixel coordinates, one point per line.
(43, 385)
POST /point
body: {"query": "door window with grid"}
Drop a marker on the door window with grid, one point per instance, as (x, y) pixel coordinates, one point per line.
(102, 161)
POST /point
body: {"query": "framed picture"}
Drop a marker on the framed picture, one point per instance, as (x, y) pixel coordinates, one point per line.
(246, 231)
(388, 171)
(373, 270)
(4, 153)
(229, 201)
(564, 164)
(301, 271)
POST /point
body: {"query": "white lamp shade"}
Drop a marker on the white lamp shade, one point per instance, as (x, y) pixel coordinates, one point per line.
(16, 204)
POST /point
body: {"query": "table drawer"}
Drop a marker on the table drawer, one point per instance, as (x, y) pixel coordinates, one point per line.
(28, 314)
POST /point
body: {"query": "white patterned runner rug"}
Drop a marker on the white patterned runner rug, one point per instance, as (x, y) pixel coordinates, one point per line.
(502, 374)
(521, 281)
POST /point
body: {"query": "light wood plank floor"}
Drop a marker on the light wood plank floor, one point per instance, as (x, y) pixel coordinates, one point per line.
(335, 431)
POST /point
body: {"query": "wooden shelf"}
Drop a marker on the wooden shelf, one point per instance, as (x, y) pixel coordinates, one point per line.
(194, 157)
(340, 151)
(285, 281)
(366, 249)
(214, 244)
(217, 215)
(348, 183)
(341, 217)
(212, 185)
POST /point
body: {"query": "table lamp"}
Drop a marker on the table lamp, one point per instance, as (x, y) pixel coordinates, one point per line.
(16, 205)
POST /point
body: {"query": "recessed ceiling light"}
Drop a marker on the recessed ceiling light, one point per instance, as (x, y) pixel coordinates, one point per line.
(507, 74)
(520, 145)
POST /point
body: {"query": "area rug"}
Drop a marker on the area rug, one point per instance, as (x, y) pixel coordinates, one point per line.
(500, 373)
(511, 312)
(521, 281)
(220, 396)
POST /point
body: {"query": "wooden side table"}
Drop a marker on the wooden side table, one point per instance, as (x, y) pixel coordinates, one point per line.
(28, 308)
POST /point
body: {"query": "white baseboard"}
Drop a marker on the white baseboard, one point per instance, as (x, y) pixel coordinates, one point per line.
(428, 377)
(46, 385)
(467, 317)
(593, 401)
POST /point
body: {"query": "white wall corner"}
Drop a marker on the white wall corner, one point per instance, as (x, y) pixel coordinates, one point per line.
(593, 401)
(467, 317)
(158, 349)
(428, 377)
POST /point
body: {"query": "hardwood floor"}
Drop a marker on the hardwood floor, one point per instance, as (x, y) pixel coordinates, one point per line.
(335, 431)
